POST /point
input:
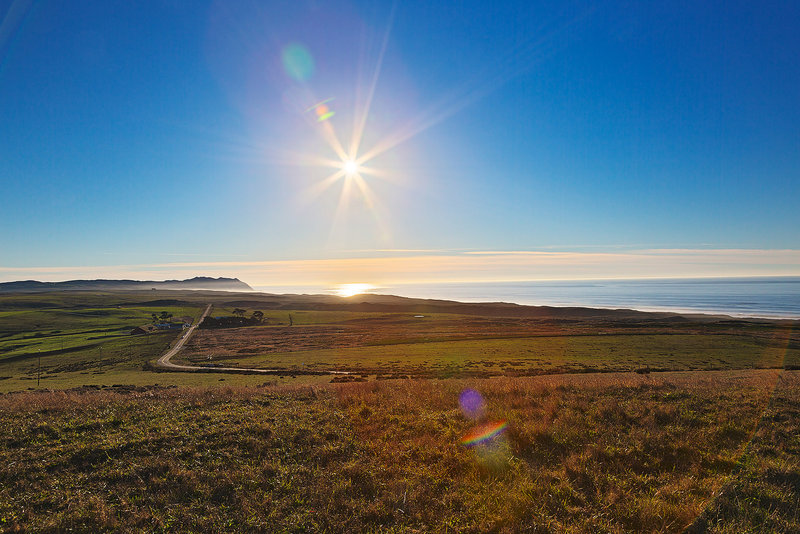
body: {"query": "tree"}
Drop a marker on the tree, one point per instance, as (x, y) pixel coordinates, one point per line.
(239, 312)
(165, 316)
(155, 317)
(258, 315)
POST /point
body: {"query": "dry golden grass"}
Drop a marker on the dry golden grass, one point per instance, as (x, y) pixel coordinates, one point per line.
(587, 453)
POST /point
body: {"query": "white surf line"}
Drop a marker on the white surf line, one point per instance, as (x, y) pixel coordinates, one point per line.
(164, 363)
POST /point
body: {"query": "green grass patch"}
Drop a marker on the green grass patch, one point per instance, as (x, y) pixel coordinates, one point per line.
(534, 355)
(87, 341)
(325, 317)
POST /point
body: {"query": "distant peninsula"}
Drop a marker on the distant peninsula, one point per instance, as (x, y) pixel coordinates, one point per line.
(198, 282)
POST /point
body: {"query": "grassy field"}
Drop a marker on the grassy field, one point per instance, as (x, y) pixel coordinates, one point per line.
(536, 355)
(581, 453)
(588, 422)
(71, 339)
(63, 340)
(438, 345)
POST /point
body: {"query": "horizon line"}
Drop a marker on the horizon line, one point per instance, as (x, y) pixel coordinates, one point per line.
(464, 267)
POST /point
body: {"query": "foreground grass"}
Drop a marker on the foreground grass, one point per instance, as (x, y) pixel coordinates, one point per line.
(581, 454)
(764, 493)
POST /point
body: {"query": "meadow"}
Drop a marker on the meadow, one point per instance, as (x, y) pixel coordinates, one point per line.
(585, 421)
(448, 345)
(711, 452)
(74, 338)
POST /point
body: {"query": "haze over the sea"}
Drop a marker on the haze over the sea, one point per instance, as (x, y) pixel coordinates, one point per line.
(769, 297)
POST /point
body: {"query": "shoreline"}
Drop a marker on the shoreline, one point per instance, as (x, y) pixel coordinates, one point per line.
(757, 298)
(565, 305)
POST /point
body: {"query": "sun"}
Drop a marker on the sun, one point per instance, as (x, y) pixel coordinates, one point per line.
(350, 167)
(349, 290)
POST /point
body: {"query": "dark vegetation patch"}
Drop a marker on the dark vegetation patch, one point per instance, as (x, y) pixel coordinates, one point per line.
(160, 303)
(343, 379)
(15, 304)
(28, 355)
(58, 333)
(228, 322)
(87, 364)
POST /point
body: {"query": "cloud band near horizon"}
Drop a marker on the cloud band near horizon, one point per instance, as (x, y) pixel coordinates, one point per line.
(464, 267)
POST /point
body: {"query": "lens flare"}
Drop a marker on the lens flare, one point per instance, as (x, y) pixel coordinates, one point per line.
(349, 168)
(324, 113)
(484, 433)
(471, 403)
(298, 62)
(322, 110)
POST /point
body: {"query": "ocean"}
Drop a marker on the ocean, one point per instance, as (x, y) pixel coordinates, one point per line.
(777, 297)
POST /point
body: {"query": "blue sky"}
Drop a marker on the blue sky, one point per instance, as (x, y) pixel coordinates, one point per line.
(165, 138)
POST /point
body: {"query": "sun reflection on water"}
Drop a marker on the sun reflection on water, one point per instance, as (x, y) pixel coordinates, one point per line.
(349, 290)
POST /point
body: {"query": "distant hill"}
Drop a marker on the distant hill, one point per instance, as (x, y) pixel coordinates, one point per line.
(198, 282)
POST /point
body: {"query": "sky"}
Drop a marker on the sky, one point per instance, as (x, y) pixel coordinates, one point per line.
(320, 143)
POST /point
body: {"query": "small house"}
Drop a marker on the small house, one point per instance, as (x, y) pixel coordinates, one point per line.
(139, 330)
(169, 326)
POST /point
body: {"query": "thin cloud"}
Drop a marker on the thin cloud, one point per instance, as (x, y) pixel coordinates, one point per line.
(403, 250)
(483, 266)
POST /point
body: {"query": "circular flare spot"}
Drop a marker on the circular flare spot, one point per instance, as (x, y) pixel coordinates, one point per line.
(471, 404)
(297, 61)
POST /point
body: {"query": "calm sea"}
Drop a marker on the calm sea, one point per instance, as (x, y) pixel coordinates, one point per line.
(740, 297)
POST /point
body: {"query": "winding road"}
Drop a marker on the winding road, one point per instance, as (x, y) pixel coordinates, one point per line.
(164, 363)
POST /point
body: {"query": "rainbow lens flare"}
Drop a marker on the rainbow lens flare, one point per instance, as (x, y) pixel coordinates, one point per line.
(484, 433)
(322, 110)
(323, 113)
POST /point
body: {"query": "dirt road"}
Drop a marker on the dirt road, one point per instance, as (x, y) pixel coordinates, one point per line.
(164, 363)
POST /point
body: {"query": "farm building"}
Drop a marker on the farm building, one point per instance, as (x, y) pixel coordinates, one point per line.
(146, 329)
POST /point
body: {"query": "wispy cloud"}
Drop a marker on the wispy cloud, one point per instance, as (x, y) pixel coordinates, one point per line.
(11, 20)
(201, 254)
(471, 266)
(402, 250)
(506, 252)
